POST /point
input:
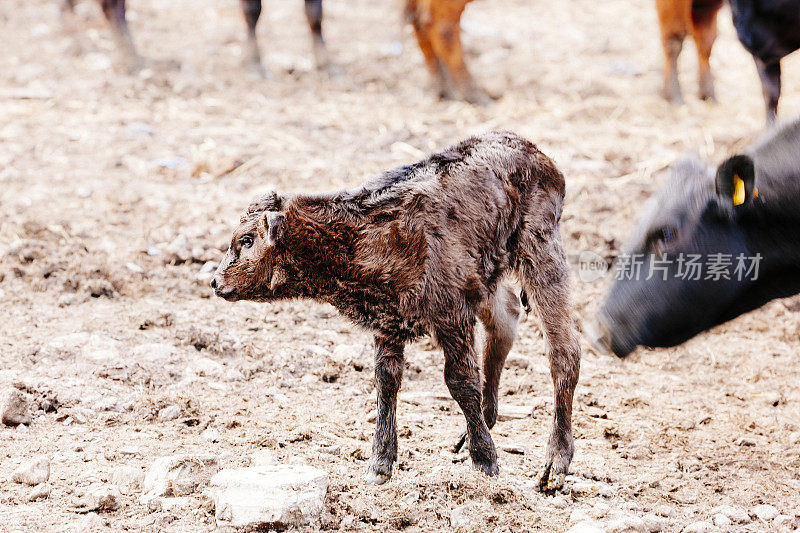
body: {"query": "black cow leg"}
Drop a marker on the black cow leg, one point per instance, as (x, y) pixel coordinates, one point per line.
(388, 376)
(314, 17)
(114, 10)
(770, 74)
(252, 55)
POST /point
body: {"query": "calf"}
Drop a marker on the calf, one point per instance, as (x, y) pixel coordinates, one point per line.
(114, 11)
(770, 30)
(427, 248)
(677, 19)
(738, 228)
(437, 26)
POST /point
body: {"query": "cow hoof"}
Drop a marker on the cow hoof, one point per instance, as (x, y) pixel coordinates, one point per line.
(374, 478)
(490, 468)
(551, 480)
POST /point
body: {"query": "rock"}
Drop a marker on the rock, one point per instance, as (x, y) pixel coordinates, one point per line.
(90, 523)
(233, 374)
(586, 527)
(699, 527)
(169, 413)
(765, 512)
(559, 502)
(269, 497)
(737, 515)
(263, 458)
(211, 435)
(127, 477)
(514, 412)
(746, 441)
(653, 523)
(459, 517)
(579, 515)
(784, 521)
(372, 416)
(205, 367)
(154, 351)
(39, 492)
(32, 472)
(101, 498)
(174, 503)
(14, 407)
(720, 520)
(664, 510)
(178, 475)
(517, 360)
(346, 354)
(65, 346)
(100, 349)
(627, 524)
(592, 488)
(308, 379)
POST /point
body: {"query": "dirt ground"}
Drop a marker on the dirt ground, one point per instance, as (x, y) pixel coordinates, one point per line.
(116, 191)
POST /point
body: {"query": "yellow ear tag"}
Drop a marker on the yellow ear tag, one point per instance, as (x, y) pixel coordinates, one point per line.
(738, 190)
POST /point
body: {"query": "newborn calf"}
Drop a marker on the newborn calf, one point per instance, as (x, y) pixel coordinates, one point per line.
(427, 248)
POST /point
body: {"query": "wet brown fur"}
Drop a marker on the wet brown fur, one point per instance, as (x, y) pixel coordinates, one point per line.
(677, 19)
(427, 248)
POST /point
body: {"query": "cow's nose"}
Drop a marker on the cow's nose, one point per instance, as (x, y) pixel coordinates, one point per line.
(214, 283)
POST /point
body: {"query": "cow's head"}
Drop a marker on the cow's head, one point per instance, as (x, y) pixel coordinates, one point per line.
(658, 298)
(253, 266)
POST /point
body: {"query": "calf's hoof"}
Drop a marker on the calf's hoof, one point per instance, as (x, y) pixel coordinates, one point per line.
(552, 479)
(490, 468)
(378, 473)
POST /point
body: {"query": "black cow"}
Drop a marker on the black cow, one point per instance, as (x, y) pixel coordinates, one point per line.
(114, 11)
(743, 229)
(770, 30)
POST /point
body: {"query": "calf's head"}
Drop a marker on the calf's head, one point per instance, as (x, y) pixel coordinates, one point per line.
(658, 297)
(253, 267)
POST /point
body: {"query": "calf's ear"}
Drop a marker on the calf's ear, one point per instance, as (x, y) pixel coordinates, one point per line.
(736, 180)
(276, 227)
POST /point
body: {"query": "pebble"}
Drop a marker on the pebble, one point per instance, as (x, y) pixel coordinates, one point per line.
(745, 441)
(664, 510)
(592, 488)
(585, 527)
(178, 475)
(39, 492)
(459, 517)
(14, 407)
(90, 522)
(33, 472)
(276, 496)
(653, 523)
(169, 413)
(127, 477)
(101, 498)
(263, 458)
(517, 360)
(514, 412)
(627, 524)
(699, 527)
(579, 515)
(765, 512)
(720, 520)
(205, 367)
(737, 514)
(154, 351)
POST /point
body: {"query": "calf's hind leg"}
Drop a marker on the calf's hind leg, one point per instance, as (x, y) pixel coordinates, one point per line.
(388, 376)
(314, 17)
(545, 275)
(499, 318)
(462, 377)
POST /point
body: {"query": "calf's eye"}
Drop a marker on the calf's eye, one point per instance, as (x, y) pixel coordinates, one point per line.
(246, 241)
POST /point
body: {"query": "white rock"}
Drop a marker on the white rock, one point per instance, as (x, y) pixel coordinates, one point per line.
(39, 492)
(700, 527)
(514, 412)
(178, 475)
(737, 514)
(586, 527)
(720, 520)
(233, 374)
(263, 458)
(269, 496)
(14, 407)
(90, 523)
(783, 521)
(32, 472)
(205, 367)
(127, 477)
(211, 435)
(308, 379)
(653, 523)
(346, 353)
(627, 524)
(664, 510)
(169, 413)
(765, 512)
(592, 488)
(517, 360)
(579, 515)
(459, 517)
(101, 498)
(65, 346)
(100, 349)
(154, 351)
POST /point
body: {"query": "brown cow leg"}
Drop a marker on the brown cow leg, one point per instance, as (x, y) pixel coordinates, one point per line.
(314, 17)
(252, 57)
(435, 68)
(463, 379)
(770, 74)
(114, 10)
(672, 86)
(388, 376)
(445, 38)
(499, 317)
(704, 34)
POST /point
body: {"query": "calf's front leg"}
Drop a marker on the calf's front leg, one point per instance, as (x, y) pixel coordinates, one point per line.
(389, 362)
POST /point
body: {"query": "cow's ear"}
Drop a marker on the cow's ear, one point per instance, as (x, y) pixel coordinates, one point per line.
(276, 227)
(736, 178)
